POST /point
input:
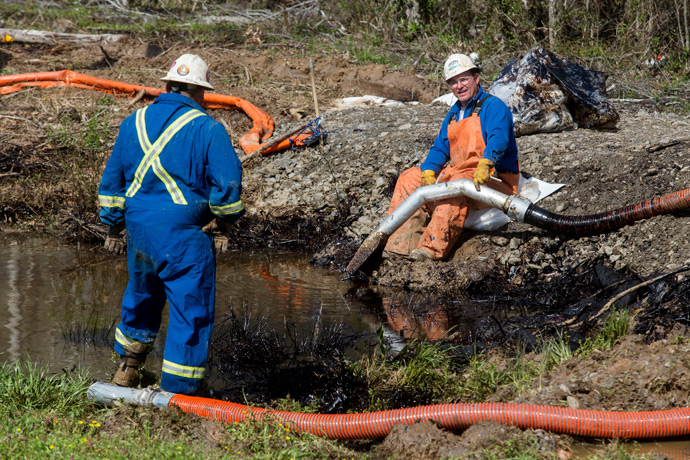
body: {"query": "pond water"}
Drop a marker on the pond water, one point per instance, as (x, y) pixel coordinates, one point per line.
(59, 299)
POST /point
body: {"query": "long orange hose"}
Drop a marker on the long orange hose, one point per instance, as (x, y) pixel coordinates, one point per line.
(262, 123)
(579, 422)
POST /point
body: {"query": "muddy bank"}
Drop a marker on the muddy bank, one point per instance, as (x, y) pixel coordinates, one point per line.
(367, 148)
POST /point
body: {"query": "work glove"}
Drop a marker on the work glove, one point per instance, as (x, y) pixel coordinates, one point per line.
(482, 173)
(115, 241)
(428, 177)
(218, 230)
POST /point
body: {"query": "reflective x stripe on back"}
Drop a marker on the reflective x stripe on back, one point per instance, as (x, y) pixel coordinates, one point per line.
(152, 153)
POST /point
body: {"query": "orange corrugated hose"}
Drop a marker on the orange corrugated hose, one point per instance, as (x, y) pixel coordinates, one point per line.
(578, 422)
(262, 123)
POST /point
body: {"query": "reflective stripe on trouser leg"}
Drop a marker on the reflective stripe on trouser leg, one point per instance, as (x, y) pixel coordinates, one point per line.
(127, 346)
(191, 300)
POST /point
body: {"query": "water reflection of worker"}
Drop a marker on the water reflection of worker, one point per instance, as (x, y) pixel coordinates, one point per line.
(433, 324)
(476, 136)
(172, 171)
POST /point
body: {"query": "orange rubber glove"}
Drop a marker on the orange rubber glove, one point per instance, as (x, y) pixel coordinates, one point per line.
(482, 173)
(428, 177)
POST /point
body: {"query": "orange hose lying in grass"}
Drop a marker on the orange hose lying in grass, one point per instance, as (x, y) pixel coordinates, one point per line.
(371, 425)
(579, 422)
(262, 123)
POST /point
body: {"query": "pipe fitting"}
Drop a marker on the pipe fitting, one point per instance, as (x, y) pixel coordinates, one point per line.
(113, 395)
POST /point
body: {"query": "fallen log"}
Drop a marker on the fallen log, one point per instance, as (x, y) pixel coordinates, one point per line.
(55, 38)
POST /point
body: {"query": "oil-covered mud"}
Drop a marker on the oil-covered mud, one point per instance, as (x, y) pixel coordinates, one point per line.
(328, 197)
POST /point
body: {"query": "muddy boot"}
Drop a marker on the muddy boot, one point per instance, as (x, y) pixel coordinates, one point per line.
(129, 371)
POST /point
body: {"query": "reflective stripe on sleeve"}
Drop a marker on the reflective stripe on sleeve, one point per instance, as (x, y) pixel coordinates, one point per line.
(227, 209)
(183, 371)
(111, 201)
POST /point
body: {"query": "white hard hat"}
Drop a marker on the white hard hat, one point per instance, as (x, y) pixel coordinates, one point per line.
(457, 64)
(191, 69)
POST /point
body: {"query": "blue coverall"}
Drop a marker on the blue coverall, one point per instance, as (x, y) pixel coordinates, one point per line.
(172, 170)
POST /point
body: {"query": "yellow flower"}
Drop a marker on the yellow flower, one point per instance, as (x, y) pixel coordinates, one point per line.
(51, 446)
(81, 422)
(287, 437)
(83, 440)
(18, 430)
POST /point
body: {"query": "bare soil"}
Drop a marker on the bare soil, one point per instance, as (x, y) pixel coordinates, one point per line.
(328, 197)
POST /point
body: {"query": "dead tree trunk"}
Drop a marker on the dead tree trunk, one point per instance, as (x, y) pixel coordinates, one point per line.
(54, 38)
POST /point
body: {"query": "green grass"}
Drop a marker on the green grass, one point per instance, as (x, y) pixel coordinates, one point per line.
(616, 325)
(47, 415)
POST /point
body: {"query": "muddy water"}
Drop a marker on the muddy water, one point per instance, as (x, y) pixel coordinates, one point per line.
(60, 303)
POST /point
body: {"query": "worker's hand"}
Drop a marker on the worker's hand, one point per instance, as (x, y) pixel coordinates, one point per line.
(482, 173)
(428, 177)
(217, 226)
(218, 229)
(115, 241)
(220, 243)
(210, 227)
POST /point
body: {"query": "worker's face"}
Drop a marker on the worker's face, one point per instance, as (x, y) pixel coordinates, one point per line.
(464, 86)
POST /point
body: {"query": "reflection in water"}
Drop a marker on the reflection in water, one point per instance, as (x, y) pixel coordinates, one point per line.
(61, 302)
(675, 449)
(433, 323)
(12, 294)
(413, 316)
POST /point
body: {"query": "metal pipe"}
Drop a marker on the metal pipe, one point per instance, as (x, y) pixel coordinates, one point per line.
(111, 395)
(514, 206)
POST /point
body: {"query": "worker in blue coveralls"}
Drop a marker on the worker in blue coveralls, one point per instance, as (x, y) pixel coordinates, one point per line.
(173, 175)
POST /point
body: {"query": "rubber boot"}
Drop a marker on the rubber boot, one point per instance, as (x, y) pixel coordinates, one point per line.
(129, 371)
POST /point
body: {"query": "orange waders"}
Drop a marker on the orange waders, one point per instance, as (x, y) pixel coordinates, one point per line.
(448, 216)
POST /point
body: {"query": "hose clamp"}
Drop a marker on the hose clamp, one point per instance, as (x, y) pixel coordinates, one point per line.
(516, 207)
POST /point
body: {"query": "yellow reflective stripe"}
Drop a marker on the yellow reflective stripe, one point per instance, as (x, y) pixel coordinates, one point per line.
(183, 371)
(145, 145)
(173, 189)
(141, 129)
(152, 152)
(227, 209)
(131, 345)
(111, 201)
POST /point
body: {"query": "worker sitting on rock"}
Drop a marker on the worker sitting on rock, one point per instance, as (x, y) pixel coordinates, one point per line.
(476, 138)
(172, 173)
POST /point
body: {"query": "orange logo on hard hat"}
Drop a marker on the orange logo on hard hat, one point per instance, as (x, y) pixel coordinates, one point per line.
(183, 69)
